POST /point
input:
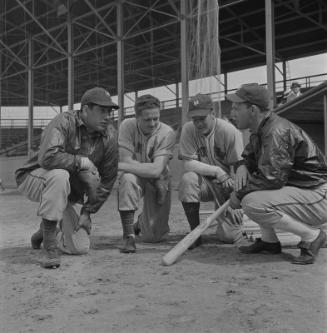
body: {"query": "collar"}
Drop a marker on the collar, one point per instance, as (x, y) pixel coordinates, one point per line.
(264, 121)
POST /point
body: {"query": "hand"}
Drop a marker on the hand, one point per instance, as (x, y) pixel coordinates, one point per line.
(236, 215)
(87, 164)
(228, 184)
(241, 177)
(85, 222)
(224, 180)
(234, 201)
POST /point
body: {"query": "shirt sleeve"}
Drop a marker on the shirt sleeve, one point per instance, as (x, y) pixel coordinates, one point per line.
(233, 144)
(187, 145)
(276, 162)
(165, 144)
(52, 154)
(126, 135)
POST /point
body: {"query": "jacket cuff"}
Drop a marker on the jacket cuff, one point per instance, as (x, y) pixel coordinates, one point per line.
(239, 163)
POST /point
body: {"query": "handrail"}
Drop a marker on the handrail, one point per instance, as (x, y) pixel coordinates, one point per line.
(167, 104)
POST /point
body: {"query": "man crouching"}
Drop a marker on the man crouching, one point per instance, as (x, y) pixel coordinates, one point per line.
(78, 156)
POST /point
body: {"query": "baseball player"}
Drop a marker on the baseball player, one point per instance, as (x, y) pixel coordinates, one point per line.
(209, 146)
(78, 156)
(281, 182)
(145, 148)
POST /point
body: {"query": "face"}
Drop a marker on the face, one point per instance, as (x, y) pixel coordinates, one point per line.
(96, 117)
(241, 115)
(148, 120)
(204, 124)
(296, 89)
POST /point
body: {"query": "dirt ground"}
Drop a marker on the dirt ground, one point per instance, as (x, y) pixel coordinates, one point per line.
(211, 289)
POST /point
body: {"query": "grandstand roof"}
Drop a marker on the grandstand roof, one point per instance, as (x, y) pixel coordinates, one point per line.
(151, 38)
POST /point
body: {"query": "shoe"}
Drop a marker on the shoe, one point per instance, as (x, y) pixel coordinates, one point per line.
(261, 246)
(52, 258)
(309, 251)
(128, 245)
(137, 229)
(197, 243)
(37, 238)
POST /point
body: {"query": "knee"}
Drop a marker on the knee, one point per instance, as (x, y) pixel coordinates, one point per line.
(128, 183)
(189, 179)
(255, 206)
(59, 177)
(127, 179)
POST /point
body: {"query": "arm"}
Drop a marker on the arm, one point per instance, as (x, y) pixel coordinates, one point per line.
(204, 169)
(144, 170)
(275, 166)
(52, 154)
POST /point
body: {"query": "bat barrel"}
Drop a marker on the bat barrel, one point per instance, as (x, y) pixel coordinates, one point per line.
(171, 256)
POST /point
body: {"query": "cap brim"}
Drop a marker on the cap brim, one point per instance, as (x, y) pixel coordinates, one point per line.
(110, 104)
(199, 112)
(234, 98)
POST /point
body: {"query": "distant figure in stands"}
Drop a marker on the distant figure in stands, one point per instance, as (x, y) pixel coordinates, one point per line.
(78, 156)
(294, 92)
(281, 183)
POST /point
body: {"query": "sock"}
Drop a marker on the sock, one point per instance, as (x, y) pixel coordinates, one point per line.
(127, 221)
(39, 233)
(49, 233)
(306, 232)
(192, 213)
(268, 235)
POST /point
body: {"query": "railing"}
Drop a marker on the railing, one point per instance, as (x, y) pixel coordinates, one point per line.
(305, 81)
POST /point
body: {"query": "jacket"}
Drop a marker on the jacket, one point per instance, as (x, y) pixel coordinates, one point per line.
(279, 154)
(63, 142)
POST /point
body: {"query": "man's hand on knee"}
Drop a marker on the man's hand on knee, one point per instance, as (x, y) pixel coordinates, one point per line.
(234, 201)
(236, 215)
(87, 164)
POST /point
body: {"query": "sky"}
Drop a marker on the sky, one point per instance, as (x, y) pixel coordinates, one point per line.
(296, 69)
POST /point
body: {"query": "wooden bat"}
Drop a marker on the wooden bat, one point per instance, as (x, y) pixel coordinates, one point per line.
(171, 256)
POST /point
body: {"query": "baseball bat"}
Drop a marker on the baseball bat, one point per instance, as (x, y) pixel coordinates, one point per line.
(171, 256)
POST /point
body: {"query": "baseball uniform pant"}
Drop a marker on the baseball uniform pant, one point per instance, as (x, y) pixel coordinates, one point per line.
(51, 188)
(153, 220)
(193, 188)
(307, 206)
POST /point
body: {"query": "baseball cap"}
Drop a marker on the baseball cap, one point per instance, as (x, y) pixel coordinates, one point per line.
(98, 96)
(251, 93)
(199, 105)
(146, 102)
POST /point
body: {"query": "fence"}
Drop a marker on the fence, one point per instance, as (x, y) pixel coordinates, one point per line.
(305, 81)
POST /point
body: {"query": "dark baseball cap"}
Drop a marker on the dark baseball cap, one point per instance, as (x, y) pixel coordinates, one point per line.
(251, 93)
(199, 105)
(146, 102)
(99, 96)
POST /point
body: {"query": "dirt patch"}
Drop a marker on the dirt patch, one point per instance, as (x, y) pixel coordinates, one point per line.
(211, 289)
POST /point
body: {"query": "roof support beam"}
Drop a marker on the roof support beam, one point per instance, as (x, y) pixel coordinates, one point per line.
(120, 61)
(184, 60)
(96, 13)
(300, 13)
(13, 54)
(42, 27)
(270, 50)
(30, 92)
(70, 58)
